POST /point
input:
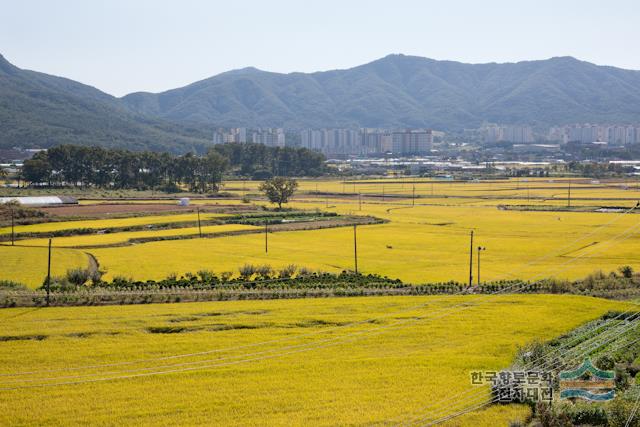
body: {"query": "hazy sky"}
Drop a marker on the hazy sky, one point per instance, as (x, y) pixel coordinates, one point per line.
(121, 46)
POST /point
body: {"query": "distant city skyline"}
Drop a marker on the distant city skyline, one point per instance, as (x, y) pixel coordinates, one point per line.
(123, 46)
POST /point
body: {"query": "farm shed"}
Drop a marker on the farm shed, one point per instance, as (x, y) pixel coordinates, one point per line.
(41, 201)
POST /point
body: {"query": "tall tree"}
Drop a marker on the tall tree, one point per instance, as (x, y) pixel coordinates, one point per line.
(279, 189)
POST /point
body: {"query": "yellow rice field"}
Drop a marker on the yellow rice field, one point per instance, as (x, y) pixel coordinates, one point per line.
(425, 240)
(419, 244)
(109, 223)
(125, 237)
(281, 363)
(29, 265)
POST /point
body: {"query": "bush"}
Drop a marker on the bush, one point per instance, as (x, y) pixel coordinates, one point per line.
(247, 270)
(264, 271)
(626, 271)
(261, 175)
(206, 275)
(78, 276)
(60, 284)
(9, 285)
(619, 411)
(96, 277)
(171, 187)
(605, 362)
(583, 413)
(287, 271)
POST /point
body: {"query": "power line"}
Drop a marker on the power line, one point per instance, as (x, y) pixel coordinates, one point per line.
(311, 345)
(188, 355)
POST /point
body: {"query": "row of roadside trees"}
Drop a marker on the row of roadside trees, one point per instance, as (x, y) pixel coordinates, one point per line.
(73, 165)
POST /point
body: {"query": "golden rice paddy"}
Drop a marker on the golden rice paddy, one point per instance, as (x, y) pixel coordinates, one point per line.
(288, 362)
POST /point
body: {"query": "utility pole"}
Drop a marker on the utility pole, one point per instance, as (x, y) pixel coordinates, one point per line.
(569, 195)
(13, 234)
(266, 238)
(359, 201)
(480, 248)
(199, 226)
(355, 246)
(471, 261)
(49, 275)
(413, 198)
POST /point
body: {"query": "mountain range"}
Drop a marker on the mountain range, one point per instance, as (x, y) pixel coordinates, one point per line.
(395, 91)
(40, 110)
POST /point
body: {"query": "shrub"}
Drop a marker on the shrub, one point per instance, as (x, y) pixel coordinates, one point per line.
(121, 281)
(304, 271)
(605, 363)
(96, 276)
(206, 275)
(170, 187)
(78, 276)
(261, 174)
(619, 411)
(9, 285)
(263, 271)
(582, 413)
(288, 271)
(626, 271)
(247, 270)
(60, 284)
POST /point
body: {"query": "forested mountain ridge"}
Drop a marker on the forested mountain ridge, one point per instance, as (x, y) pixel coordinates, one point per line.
(40, 110)
(397, 91)
(406, 91)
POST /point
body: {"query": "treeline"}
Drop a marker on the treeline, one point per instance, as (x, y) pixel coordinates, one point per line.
(260, 161)
(75, 165)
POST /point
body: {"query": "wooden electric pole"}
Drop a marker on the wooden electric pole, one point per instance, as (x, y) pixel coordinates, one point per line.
(471, 261)
(355, 246)
(199, 226)
(413, 198)
(49, 275)
(266, 238)
(569, 195)
(13, 234)
(360, 202)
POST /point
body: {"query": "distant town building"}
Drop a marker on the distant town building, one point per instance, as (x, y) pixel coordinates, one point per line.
(367, 141)
(588, 133)
(412, 142)
(507, 133)
(272, 137)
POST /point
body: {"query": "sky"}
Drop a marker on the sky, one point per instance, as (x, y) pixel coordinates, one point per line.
(124, 46)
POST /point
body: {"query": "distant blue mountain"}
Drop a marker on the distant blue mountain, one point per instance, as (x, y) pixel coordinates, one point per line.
(406, 91)
(37, 109)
